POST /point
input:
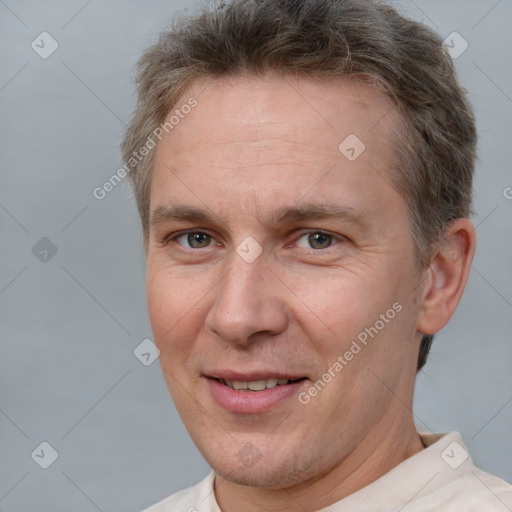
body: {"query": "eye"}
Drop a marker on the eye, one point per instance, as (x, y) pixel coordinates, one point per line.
(316, 240)
(193, 239)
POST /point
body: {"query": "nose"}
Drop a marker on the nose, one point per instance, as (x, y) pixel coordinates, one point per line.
(249, 301)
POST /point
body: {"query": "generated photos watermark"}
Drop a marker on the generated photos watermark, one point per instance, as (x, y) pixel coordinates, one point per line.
(356, 347)
(101, 192)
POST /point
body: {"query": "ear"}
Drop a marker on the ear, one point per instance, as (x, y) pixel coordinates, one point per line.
(447, 277)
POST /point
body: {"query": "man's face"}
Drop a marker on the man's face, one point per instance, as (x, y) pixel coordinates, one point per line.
(269, 290)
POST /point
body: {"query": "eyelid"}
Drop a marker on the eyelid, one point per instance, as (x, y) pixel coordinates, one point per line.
(336, 237)
(172, 237)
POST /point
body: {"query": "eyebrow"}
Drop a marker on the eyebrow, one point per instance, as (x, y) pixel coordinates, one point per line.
(310, 211)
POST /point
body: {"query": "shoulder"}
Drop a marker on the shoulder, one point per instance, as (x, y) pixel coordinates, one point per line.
(472, 491)
(198, 498)
(461, 485)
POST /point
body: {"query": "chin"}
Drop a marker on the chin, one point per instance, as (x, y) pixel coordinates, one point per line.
(257, 478)
(273, 474)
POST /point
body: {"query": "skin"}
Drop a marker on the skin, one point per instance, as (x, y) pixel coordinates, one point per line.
(251, 146)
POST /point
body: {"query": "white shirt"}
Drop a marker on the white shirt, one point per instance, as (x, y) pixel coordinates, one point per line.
(440, 478)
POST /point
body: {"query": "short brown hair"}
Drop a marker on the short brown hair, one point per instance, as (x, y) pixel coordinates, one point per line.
(361, 39)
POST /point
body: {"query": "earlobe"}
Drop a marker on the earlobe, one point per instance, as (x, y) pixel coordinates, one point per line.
(448, 274)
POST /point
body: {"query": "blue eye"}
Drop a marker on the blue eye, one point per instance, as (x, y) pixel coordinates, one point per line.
(317, 240)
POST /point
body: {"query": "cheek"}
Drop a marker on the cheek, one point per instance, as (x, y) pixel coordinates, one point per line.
(362, 316)
(175, 320)
(173, 306)
(336, 307)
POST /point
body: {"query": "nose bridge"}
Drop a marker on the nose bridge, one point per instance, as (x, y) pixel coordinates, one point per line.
(247, 301)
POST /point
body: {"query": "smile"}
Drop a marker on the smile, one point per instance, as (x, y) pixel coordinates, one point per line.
(255, 396)
(255, 385)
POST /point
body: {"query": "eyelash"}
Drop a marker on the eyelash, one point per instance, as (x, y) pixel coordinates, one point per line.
(174, 237)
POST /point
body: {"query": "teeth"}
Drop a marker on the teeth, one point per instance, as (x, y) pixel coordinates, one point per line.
(255, 385)
(271, 383)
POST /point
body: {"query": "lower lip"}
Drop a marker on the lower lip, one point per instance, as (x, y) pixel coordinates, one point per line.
(252, 402)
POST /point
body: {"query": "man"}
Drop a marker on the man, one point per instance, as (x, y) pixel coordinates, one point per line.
(303, 172)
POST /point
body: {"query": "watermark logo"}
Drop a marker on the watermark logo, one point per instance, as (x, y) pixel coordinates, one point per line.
(146, 352)
(44, 455)
(454, 455)
(455, 45)
(352, 147)
(44, 45)
(249, 455)
(249, 249)
(44, 250)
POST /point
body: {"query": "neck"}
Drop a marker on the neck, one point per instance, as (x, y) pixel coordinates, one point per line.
(387, 445)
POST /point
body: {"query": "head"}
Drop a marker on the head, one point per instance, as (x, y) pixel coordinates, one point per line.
(323, 153)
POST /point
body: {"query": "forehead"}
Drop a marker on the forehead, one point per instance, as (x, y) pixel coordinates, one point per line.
(277, 104)
(275, 136)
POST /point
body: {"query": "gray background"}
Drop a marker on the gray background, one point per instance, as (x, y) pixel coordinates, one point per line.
(69, 325)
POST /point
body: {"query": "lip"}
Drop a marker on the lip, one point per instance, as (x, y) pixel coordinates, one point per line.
(257, 375)
(252, 402)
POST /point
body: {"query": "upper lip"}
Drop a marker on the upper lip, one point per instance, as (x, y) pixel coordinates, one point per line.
(251, 376)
